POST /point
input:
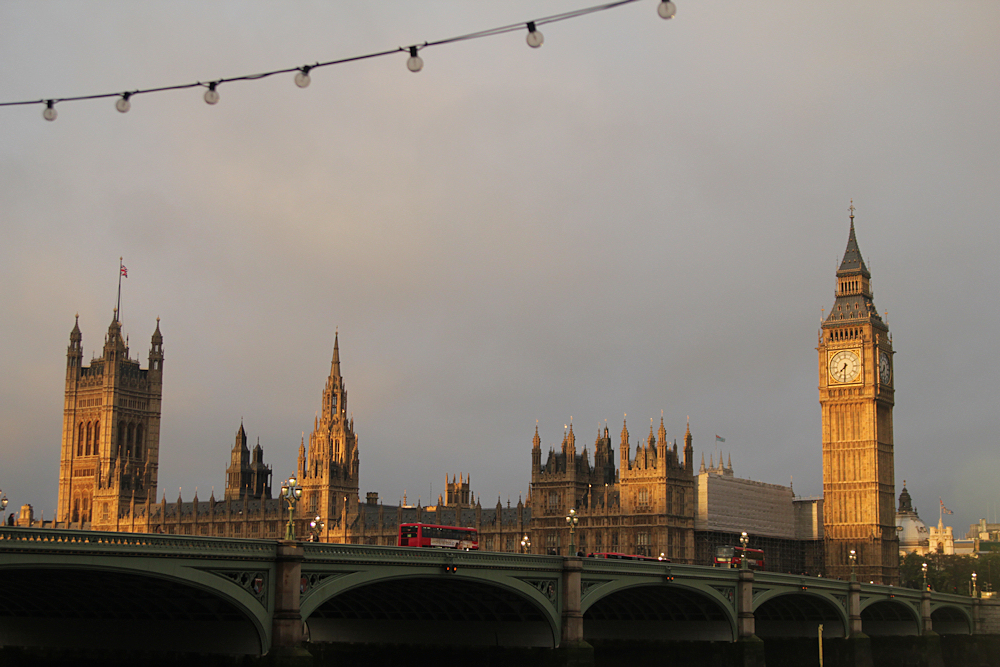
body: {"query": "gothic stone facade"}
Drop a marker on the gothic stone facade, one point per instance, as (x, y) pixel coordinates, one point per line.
(108, 474)
(646, 507)
(111, 430)
(856, 396)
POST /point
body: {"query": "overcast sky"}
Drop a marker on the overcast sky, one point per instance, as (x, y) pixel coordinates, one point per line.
(639, 216)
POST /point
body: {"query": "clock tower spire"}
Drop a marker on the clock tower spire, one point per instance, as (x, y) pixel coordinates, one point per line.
(856, 399)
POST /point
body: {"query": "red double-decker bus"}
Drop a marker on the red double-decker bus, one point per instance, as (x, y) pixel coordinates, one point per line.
(441, 537)
(733, 557)
(617, 556)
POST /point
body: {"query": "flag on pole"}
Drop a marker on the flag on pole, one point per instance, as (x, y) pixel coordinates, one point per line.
(719, 439)
(944, 510)
(124, 271)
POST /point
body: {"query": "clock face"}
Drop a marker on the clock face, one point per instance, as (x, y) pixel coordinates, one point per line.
(845, 366)
(884, 368)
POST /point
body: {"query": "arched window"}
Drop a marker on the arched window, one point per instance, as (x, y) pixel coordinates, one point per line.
(76, 509)
(85, 515)
(138, 441)
(79, 441)
(97, 436)
(90, 435)
(121, 438)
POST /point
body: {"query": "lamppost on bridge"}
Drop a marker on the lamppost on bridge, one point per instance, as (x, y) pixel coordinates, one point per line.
(316, 528)
(744, 541)
(291, 491)
(923, 567)
(3, 506)
(975, 589)
(572, 520)
(853, 557)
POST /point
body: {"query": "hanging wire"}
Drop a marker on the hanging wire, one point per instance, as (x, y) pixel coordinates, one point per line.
(211, 85)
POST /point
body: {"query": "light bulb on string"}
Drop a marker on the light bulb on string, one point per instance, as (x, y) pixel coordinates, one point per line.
(211, 95)
(535, 38)
(414, 63)
(302, 79)
(666, 9)
(123, 105)
(50, 112)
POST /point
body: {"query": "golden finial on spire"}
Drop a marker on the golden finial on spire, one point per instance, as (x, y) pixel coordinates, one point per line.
(851, 209)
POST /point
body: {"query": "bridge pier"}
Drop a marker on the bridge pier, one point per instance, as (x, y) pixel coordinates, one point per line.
(575, 651)
(750, 647)
(859, 645)
(926, 626)
(854, 609)
(931, 640)
(745, 623)
(286, 626)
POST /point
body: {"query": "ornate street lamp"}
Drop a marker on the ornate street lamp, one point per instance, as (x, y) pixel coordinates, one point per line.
(525, 545)
(291, 491)
(3, 506)
(316, 528)
(744, 541)
(853, 557)
(975, 590)
(924, 568)
(572, 520)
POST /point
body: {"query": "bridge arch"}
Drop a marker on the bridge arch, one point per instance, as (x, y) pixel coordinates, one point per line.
(782, 613)
(58, 605)
(473, 608)
(889, 617)
(645, 610)
(947, 619)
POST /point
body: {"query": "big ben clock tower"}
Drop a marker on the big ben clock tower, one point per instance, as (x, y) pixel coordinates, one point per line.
(856, 399)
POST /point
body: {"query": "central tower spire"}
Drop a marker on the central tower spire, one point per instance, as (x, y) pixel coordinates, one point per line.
(330, 479)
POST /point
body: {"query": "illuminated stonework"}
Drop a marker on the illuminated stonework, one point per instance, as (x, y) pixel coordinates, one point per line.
(111, 431)
(856, 378)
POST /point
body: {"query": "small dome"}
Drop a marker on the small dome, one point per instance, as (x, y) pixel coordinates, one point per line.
(913, 534)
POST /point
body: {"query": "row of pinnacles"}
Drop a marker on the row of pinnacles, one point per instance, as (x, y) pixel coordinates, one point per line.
(108, 476)
(644, 507)
(111, 430)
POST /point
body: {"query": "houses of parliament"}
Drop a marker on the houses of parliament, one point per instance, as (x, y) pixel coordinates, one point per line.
(651, 500)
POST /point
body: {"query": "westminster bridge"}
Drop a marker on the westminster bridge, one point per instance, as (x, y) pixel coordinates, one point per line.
(72, 589)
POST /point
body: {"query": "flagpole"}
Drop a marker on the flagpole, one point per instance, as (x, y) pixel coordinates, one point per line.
(118, 306)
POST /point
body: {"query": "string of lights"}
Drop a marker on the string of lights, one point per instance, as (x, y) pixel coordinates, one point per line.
(666, 9)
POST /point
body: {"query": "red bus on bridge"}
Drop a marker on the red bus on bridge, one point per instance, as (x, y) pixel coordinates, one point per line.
(441, 537)
(733, 557)
(618, 556)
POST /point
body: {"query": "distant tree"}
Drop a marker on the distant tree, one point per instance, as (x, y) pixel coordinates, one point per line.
(949, 573)
(910, 573)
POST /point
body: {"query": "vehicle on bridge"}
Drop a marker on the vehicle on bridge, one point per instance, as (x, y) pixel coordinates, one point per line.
(733, 557)
(618, 556)
(441, 537)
